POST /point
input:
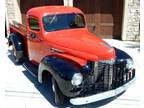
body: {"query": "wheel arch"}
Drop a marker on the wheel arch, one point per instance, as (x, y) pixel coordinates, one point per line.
(42, 70)
(45, 74)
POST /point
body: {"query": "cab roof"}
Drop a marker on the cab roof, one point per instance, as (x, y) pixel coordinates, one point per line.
(49, 10)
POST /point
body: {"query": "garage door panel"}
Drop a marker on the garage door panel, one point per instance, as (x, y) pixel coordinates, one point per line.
(104, 17)
(107, 30)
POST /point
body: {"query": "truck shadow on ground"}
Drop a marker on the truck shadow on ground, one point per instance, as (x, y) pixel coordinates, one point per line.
(46, 90)
(10, 56)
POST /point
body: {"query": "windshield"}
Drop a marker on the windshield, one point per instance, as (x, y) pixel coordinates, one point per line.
(63, 21)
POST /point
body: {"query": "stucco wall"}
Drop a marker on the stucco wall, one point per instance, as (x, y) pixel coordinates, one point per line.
(132, 32)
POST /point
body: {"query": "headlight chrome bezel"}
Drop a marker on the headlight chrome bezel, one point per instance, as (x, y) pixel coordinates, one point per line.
(108, 61)
(77, 79)
(129, 63)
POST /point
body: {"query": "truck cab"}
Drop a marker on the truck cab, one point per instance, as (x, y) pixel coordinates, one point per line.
(83, 67)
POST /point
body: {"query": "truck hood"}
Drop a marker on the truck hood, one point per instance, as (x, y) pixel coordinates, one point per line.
(80, 43)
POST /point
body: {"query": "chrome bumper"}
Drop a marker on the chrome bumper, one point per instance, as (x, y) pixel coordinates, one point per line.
(101, 96)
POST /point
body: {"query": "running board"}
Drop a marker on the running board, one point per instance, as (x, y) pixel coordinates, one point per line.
(30, 67)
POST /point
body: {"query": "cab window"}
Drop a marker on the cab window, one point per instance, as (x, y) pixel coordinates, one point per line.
(63, 21)
(34, 25)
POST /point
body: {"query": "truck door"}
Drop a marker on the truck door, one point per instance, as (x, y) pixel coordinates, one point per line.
(34, 39)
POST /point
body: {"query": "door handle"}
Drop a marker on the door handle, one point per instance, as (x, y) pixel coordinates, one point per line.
(33, 35)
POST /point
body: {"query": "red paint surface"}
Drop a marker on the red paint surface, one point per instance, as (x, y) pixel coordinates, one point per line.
(78, 45)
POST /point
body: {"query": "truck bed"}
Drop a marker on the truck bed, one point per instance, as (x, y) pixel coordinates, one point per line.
(18, 28)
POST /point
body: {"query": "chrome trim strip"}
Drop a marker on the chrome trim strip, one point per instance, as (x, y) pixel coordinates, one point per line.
(101, 96)
(29, 70)
(55, 50)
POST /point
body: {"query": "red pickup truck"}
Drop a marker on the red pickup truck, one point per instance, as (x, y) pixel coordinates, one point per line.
(83, 67)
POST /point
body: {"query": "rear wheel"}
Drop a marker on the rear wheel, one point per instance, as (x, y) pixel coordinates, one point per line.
(59, 97)
(17, 59)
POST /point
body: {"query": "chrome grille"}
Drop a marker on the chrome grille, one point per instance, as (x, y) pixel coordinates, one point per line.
(104, 77)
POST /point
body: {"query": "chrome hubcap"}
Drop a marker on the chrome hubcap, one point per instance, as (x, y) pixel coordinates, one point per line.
(14, 51)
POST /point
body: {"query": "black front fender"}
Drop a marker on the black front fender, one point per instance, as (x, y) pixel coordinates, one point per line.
(62, 70)
(120, 54)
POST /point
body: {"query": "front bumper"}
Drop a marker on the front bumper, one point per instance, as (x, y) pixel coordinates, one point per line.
(101, 96)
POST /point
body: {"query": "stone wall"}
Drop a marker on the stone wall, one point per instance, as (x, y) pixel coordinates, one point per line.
(13, 10)
(133, 23)
(68, 3)
(10, 10)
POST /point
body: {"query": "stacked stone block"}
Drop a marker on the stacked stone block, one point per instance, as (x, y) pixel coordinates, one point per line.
(133, 24)
(10, 10)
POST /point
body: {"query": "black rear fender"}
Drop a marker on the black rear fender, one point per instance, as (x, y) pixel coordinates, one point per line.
(16, 40)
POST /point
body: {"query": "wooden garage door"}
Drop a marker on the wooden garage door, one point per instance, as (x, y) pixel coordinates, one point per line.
(25, 5)
(104, 17)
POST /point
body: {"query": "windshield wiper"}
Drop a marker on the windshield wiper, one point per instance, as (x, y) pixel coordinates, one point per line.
(53, 18)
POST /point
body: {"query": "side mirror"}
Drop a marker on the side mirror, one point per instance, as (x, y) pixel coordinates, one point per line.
(33, 35)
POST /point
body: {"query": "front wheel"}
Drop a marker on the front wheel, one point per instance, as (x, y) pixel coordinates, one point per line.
(59, 97)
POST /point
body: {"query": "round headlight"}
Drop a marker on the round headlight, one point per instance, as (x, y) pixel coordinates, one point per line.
(129, 64)
(77, 79)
